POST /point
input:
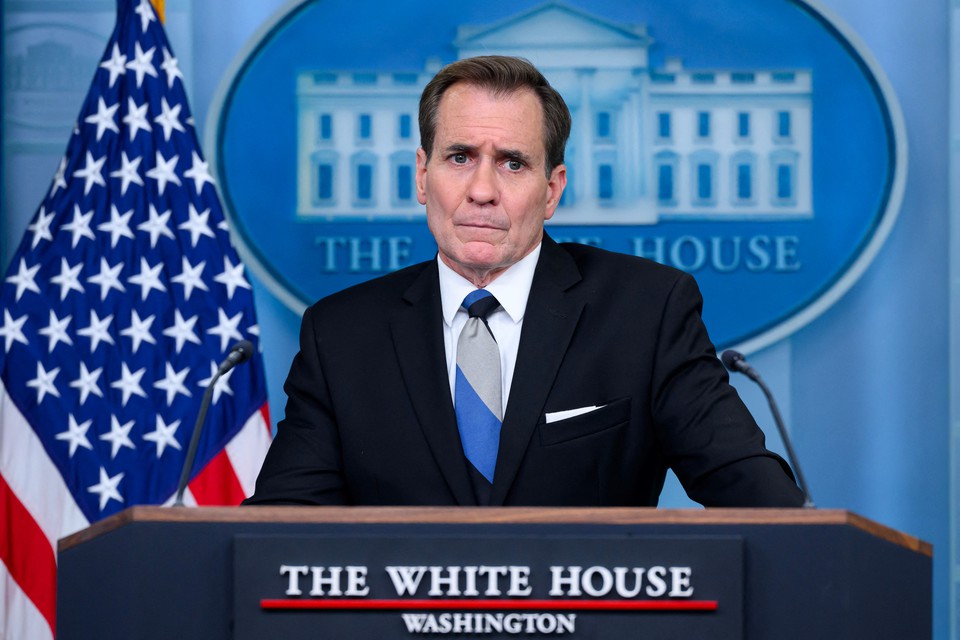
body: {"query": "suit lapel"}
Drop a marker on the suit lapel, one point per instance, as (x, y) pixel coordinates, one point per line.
(548, 324)
(418, 340)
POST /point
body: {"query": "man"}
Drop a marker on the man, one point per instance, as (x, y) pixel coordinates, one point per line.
(597, 364)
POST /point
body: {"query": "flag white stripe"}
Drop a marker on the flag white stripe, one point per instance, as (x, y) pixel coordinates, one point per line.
(248, 449)
(22, 621)
(32, 476)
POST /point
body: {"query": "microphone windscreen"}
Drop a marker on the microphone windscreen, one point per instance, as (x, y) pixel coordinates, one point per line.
(243, 349)
(730, 358)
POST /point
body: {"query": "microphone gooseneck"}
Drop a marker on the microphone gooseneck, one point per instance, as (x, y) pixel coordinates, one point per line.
(735, 362)
(239, 353)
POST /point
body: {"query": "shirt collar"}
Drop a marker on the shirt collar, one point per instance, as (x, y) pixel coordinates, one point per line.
(511, 288)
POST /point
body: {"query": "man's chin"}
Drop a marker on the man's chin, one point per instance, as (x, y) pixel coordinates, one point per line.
(480, 264)
(476, 262)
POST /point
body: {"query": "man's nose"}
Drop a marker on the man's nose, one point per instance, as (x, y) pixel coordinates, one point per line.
(484, 184)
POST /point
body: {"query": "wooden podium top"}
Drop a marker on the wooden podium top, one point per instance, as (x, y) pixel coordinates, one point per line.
(496, 515)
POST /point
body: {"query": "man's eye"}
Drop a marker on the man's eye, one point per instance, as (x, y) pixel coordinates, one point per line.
(460, 158)
(514, 165)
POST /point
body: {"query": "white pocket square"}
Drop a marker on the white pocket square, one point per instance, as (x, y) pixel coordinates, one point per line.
(570, 413)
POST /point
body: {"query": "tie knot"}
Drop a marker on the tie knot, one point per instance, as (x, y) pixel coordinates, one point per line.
(480, 303)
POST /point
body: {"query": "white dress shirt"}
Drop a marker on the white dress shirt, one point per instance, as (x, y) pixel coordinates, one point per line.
(511, 288)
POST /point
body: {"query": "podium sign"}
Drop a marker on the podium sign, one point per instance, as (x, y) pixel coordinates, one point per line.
(404, 573)
(401, 586)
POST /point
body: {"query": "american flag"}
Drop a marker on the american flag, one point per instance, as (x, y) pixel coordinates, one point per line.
(119, 303)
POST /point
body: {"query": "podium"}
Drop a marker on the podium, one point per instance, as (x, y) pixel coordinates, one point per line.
(404, 572)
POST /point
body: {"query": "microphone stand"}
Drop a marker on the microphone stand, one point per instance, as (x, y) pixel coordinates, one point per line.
(195, 441)
(734, 361)
(239, 352)
(787, 444)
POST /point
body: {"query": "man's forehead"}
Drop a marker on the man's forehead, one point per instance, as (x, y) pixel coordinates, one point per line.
(463, 109)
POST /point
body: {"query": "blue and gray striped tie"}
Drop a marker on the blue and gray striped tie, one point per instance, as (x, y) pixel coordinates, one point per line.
(478, 392)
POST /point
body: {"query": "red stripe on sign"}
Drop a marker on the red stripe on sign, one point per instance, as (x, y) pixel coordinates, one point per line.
(501, 605)
(217, 484)
(27, 553)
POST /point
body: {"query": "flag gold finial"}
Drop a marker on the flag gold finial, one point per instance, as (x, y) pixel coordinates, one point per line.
(158, 7)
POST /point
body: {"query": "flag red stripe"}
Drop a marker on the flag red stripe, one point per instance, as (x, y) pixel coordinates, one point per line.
(217, 483)
(27, 553)
(502, 605)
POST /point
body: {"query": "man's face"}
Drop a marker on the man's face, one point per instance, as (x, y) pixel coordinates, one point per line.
(485, 185)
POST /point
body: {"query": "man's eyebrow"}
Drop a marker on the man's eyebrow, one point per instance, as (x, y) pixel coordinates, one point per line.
(459, 147)
(515, 154)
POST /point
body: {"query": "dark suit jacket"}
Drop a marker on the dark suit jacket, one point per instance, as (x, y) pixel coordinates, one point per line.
(370, 420)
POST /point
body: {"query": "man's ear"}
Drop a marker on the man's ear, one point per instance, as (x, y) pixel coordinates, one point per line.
(555, 186)
(421, 176)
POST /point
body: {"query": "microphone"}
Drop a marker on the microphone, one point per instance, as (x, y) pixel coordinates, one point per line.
(737, 363)
(734, 361)
(239, 353)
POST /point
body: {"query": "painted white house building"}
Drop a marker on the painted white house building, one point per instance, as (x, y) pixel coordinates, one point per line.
(647, 144)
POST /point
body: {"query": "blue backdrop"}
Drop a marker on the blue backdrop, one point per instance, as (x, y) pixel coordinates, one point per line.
(865, 387)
